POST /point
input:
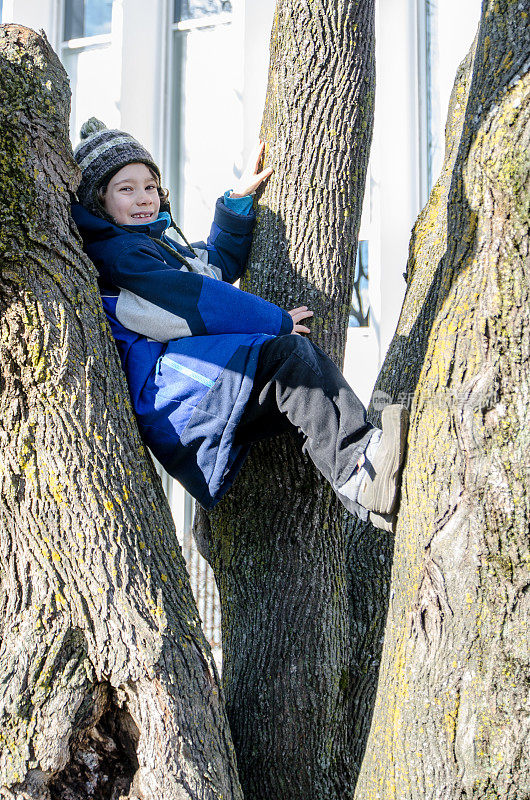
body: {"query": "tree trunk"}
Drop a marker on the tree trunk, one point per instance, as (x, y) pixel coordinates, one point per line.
(277, 543)
(451, 717)
(107, 685)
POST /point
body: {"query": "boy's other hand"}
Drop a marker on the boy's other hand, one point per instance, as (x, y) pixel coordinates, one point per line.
(299, 314)
(251, 177)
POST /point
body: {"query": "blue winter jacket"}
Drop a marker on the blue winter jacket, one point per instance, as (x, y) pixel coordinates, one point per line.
(188, 340)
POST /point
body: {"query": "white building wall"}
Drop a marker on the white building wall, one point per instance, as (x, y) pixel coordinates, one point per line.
(257, 21)
(455, 28)
(391, 198)
(142, 64)
(395, 159)
(36, 14)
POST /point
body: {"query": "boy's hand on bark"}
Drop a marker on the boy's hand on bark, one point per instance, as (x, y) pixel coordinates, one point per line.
(299, 314)
(251, 178)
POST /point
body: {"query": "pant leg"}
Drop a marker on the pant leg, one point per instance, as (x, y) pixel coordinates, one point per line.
(298, 385)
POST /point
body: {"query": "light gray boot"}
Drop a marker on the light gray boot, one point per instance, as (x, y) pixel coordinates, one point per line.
(379, 492)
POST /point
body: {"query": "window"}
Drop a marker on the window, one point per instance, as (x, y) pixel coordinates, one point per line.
(205, 110)
(197, 9)
(360, 308)
(89, 60)
(84, 18)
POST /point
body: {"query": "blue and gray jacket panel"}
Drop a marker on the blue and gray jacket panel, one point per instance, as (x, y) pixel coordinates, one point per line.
(188, 340)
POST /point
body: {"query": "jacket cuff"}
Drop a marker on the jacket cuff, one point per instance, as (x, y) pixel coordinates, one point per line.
(241, 205)
(287, 323)
(231, 222)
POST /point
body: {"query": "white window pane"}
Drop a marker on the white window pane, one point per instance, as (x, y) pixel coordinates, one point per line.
(208, 124)
(89, 70)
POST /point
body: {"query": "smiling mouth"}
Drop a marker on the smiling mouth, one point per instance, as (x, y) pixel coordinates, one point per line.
(142, 215)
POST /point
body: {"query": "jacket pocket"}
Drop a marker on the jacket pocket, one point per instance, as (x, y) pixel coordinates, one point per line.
(186, 371)
(178, 382)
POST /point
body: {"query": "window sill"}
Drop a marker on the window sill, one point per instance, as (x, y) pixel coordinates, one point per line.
(87, 41)
(210, 21)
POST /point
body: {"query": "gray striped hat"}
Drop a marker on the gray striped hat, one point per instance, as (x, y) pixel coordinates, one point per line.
(100, 154)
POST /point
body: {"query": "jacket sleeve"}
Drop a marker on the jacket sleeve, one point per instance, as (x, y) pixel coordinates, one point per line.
(229, 241)
(162, 302)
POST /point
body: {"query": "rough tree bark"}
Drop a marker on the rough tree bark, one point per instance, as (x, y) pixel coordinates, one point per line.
(107, 685)
(278, 542)
(451, 719)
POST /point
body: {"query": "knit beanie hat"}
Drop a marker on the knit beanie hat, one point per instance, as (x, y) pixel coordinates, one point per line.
(101, 153)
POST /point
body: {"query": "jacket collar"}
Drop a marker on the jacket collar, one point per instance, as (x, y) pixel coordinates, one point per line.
(154, 229)
(97, 227)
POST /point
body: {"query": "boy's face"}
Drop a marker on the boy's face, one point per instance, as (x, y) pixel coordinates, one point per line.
(132, 197)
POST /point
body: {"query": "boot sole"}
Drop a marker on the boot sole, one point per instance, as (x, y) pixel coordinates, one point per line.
(385, 522)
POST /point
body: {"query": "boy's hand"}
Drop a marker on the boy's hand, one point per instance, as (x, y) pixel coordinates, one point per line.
(298, 314)
(251, 178)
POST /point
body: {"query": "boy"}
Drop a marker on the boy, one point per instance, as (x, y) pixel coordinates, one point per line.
(211, 368)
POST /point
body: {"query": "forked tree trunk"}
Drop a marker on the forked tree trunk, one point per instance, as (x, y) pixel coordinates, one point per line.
(107, 685)
(451, 718)
(278, 541)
